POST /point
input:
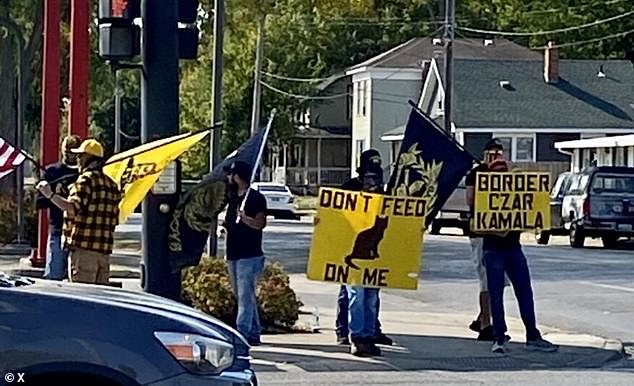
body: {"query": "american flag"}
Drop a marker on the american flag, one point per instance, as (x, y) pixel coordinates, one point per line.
(10, 157)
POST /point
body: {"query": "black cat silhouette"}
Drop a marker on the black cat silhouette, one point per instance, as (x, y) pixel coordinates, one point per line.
(366, 245)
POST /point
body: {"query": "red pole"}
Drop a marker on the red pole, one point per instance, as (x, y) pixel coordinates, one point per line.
(49, 141)
(79, 67)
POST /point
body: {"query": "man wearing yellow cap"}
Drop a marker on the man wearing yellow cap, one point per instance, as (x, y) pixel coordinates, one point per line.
(91, 213)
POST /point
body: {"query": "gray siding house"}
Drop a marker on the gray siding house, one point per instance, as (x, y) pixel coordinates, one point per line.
(531, 105)
(383, 85)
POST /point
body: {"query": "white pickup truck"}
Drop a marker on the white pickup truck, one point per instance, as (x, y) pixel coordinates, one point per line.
(455, 212)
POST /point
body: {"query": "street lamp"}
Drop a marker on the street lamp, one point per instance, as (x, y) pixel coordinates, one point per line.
(15, 30)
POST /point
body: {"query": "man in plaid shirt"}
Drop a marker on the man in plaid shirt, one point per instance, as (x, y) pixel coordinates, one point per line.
(91, 215)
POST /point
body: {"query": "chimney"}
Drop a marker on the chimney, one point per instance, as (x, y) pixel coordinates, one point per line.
(551, 64)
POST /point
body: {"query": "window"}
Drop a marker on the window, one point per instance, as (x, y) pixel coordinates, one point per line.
(357, 95)
(360, 147)
(364, 97)
(518, 148)
(349, 101)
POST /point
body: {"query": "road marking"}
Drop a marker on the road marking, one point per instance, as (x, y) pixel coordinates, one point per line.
(608, 286)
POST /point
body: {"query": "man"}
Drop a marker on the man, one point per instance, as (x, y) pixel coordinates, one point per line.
(244, 223)
(60, 176)
(91, 215)
(502, 253)
(358, 307)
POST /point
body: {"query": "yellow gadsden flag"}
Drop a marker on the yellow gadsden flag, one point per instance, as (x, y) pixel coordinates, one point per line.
(367, 239)
(137, 170)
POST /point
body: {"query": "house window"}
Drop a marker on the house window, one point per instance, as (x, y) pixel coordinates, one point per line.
(357, 95)
(349, 101)
(360, 147)
(364, 97)
(518, 148)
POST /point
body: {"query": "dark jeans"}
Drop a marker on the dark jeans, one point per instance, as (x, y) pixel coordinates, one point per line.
(343, 321)
(513, 262)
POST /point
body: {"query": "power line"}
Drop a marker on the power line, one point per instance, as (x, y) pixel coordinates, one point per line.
(292, 79)
(539, 33)
(298, 96)
(578, 43)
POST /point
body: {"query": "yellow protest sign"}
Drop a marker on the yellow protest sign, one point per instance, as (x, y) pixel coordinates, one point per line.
(512, 201)
(367, 239)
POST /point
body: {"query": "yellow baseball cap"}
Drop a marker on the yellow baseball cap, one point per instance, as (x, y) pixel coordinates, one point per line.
(90, 147)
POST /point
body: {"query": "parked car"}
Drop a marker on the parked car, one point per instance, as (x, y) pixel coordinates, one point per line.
(455, 212)
(600, 203)
(279, 199)
(557, 226)
(78, 334)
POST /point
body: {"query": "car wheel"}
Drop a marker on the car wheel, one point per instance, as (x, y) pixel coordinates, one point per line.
(609, 241)
(542, 237)
(577, 238)
(435, 228)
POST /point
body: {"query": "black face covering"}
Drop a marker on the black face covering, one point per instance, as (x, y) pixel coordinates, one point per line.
(372, 180)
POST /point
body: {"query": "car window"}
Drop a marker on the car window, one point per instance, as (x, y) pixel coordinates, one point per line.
(578, 183)
(561, 185)
(272, 188)
(613, 183)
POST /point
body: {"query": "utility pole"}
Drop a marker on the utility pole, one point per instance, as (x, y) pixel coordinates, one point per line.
(159, 118)
(118, 93)
(257, 77)
(448, 43)
(216, 109)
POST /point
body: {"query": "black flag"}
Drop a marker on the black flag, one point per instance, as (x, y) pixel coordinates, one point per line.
(193, 217)
(430, 164)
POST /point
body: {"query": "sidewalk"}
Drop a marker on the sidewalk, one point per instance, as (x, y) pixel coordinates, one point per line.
(425, 339)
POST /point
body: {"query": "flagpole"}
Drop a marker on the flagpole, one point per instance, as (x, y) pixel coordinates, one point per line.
(451, 137)
(257, 160)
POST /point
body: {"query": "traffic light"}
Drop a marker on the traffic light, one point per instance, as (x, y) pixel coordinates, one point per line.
(188, 33)
(119, 37)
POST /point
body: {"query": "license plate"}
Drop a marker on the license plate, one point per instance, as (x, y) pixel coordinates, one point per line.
(275, 199)
(625, 227)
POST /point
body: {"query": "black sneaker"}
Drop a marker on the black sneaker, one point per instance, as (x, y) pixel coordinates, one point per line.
(475, 326)
(364, 350)
(343, 341)
(383, 340)
(541, 344)
(499, 347)
(254, 342)
(486, 334)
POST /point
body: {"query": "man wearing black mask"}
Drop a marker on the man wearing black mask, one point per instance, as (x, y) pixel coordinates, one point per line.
(355, 302)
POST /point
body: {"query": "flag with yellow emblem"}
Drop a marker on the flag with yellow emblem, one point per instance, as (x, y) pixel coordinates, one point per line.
(137, 170)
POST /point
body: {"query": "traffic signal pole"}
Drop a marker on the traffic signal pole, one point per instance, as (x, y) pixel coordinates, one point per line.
(159, 118)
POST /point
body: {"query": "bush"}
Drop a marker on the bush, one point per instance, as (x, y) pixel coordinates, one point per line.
(9, 220)
(208, 288)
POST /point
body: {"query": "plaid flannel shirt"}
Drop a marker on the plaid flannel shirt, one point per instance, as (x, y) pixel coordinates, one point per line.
(96, 199)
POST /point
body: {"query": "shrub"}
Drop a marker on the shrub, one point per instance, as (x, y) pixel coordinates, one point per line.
(208, 288)
(9, 221)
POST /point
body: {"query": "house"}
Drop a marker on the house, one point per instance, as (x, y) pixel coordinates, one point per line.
(604, 151)
(531, 105)
(319, 153)
(383, 85)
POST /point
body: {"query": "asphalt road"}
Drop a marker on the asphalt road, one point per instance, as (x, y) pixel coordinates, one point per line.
(588, 290)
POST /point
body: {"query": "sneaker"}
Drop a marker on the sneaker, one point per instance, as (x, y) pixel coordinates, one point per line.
(343, 341)
(383, 340)
(541, 344)
(498, 347)
(254, 342)
(364, 350)
(486, 334)
(475, 326)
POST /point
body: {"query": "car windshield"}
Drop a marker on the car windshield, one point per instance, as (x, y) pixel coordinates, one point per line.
(561, 185)
(272, 188)
(613, 183)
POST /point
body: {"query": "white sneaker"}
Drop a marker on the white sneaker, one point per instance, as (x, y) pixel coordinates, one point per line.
(498, 347)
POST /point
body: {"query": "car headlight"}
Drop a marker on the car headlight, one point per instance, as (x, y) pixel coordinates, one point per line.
(198, 354)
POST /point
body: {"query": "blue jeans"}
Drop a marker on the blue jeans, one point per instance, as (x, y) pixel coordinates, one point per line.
(513, 262)
(343, 314)
(244, 274)
(56, 258)
(363, 304)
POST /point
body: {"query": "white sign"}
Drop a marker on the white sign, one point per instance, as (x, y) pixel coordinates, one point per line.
(167, 182)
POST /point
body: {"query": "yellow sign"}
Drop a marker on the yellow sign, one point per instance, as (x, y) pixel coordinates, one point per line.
(512, 202)
(368, 240)
(137, 170)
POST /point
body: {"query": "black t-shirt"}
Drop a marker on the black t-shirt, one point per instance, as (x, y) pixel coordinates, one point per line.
(243, 241)
(491, 242)
(60, 176)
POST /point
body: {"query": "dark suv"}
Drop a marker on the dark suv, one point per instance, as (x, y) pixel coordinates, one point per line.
(600, 203)
(75, 334)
